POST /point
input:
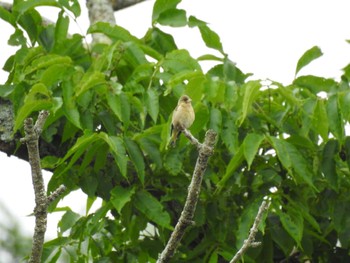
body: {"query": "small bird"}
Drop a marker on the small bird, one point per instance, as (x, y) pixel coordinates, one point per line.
(183, 117)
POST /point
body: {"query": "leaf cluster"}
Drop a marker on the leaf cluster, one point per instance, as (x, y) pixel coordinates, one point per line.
(110, 118)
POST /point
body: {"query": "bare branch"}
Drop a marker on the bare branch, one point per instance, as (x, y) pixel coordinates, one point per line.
(185, 220)
(32, 133)
(250, 241)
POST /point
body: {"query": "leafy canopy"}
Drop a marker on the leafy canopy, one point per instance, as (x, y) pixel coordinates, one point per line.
(109, 127)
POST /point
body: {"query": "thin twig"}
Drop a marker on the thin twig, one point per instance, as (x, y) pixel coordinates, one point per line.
(250, 241)
(185, 220)
(32, 134)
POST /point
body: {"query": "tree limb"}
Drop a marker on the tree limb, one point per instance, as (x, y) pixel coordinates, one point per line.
(32, 134)
(250, 241)
(185, 220)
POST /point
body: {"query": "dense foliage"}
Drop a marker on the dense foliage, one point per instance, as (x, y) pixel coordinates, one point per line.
(109, 128)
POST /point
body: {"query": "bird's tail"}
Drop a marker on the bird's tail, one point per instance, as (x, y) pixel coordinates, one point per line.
(174, 136)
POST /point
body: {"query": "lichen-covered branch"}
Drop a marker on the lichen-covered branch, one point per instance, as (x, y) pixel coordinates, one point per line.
(100, 11)
(250, 241)
(185, 220)
(32, 134)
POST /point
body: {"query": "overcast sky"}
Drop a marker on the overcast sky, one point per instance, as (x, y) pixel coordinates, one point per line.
(264, 37)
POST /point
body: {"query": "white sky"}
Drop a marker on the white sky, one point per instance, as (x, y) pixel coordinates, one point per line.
(264, 37)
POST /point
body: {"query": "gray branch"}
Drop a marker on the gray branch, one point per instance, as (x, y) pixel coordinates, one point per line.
(250, 241)
(185, 220)
(32, 134)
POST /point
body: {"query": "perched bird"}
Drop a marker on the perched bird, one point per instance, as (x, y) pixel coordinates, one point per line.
(183, 117)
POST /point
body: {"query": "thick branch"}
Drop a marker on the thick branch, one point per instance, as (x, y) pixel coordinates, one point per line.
(250, 241)
(185, 220)
(32, 133)
(100, 11)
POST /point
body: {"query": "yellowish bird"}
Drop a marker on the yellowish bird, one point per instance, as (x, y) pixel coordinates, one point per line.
(183, 117)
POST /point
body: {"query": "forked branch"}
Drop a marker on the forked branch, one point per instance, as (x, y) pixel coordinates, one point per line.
(250, 241)
(185, 220)
(42, 201)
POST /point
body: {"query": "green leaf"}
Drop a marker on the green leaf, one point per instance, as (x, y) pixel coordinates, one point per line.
(121, 196)
(37, 99)
(136, 157)
(179, 61)
(232, 166)
(215, 120)
(250, 92)
(89, 81)
(7, 16)
(152, 150)
(328, 165)
(315, 84)
(334, 117)
(23, 6)
(173, 17)
(202, 118)
(118, 150)
(310, 55)
(160, 41)
(293, 223)
(320, 120)
(120, 106)
(68, 220)
(72, 6)
(173, 161)
(161, 6)
(152, 209)
(113, 31)
(251, 146)
(61, 29)
(152, 104)
(210, 38)
(297, 166)
(46, 61)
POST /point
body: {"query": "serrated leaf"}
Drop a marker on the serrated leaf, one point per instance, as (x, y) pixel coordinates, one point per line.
(152, 104)
(72, 6)
(315, 84)
(117, 148)
(152, 209)
(232, 166)
(61, 29)
(250, 93)
(210, 38)
(293, 161)
(120, 196)
(67, 221)
(28, 108)
(161, 6)
(120, 106)
(328, 165)
(251, 146)
(334, 117)
(89, 81)
(152, 150)
(160, 41)
(173, 17)
(23, 6)
(215, 120)
(320, 120)
(293, 223)
(7, 16)
(136, 157)
(179, 61)
(310, 55)
(115, 32)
